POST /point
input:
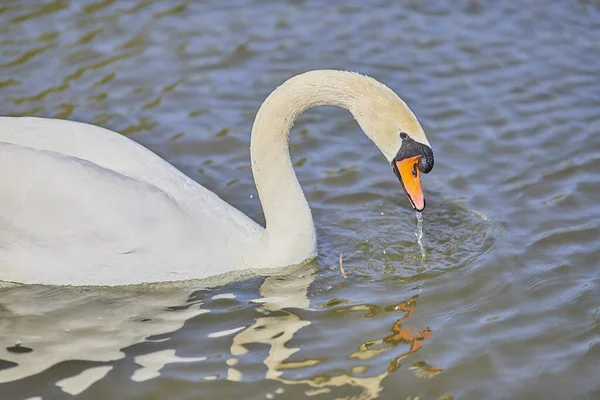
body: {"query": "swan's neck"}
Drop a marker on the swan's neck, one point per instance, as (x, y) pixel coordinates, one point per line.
(287, 214)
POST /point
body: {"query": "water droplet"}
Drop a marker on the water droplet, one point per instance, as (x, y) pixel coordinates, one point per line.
(419, 233)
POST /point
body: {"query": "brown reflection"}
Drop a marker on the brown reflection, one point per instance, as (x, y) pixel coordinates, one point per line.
(401, 335)
(45, 9)
(406, 335)
(28, 55)
(74, 76)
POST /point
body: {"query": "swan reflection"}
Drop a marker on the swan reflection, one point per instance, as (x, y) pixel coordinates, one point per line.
(43, 326)
(280, 296)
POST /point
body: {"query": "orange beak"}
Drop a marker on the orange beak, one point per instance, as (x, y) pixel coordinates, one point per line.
(410, 176)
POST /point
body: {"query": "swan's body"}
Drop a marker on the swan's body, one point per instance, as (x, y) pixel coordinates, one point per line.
(82, 205)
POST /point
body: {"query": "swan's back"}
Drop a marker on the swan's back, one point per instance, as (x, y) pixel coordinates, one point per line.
(100, 146)
(80, 204)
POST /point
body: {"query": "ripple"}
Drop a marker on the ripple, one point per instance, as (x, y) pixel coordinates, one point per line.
(28, 55)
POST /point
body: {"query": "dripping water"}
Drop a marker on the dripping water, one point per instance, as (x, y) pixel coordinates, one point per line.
(419, 233)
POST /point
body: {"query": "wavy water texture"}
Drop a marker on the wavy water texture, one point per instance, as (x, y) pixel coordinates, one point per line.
(506, 302)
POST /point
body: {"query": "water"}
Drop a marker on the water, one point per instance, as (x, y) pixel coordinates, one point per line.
(419, 233)
(506, 303)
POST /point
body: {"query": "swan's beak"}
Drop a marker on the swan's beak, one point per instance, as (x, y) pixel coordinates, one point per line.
(408, 172)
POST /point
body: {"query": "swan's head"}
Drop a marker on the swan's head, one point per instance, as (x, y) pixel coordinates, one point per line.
(412, 158)
(395, 130)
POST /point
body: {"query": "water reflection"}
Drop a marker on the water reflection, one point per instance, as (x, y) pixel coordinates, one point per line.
(44, 326)
(400, 335)
(280, 296)
(277, 294)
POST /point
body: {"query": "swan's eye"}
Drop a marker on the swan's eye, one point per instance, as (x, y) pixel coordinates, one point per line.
(414, 170)
(403, 135)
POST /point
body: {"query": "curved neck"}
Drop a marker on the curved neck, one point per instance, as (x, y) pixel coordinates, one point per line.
(287, 214)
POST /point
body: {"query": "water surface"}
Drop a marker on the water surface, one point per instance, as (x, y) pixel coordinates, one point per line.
(506, 302)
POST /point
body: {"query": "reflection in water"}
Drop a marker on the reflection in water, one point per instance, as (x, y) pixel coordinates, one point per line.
(78, 383)
(152, 363)
(43, 326)
(278, 293)
(400, 336)
(282, 294)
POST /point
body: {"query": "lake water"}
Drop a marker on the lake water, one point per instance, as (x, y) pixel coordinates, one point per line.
(506, 301)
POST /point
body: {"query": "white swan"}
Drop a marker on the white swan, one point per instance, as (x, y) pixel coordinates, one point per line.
(82, 205)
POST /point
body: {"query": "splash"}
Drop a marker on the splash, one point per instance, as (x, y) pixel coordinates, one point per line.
(419, 233)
